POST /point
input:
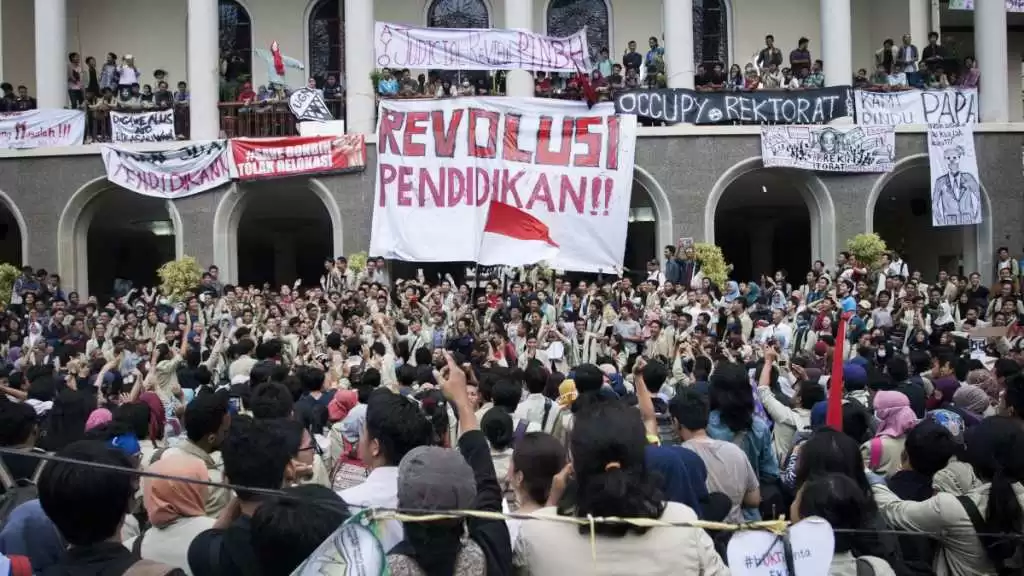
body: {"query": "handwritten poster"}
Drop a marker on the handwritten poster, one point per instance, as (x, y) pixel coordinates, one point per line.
(829, 148)
(155, 126)
(949, 106)
(677, 105)
(956, 186)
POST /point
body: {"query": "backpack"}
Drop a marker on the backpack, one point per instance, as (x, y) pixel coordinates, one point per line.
(16, 492)
(349, 470)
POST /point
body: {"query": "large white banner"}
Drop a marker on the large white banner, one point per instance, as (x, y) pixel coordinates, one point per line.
(155, 126)
(441, 162)
(829, 148)
(401, 46)
(1011, 5)
(949, 106)
(42, 128)
(956, 187)
(170, 173)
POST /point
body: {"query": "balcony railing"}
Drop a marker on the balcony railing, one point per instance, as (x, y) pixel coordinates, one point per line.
(265, 119)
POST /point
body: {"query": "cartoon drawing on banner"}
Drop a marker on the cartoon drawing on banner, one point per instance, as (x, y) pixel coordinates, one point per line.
(308, 105)
(956, 192)
(829, 149)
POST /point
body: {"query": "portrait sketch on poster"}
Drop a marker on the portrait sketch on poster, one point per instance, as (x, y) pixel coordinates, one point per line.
(956, 188)
(829, 148)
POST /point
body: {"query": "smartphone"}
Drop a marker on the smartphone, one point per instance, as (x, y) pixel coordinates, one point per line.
(234, 405)
(608, 331)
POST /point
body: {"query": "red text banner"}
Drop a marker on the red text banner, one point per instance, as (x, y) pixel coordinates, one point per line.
(441, 162)
(42, 128)
(169, 173)
(261, 158)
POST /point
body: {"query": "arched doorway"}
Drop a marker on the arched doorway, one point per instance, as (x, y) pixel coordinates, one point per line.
(276, 232)
(235, 39)
(325, 40)
(109, 235)
(770, 219)
(13, 234)
(565, 18)
(899, 210)
(650, 223)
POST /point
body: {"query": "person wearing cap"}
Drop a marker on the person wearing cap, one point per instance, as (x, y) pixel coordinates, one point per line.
(435, 479)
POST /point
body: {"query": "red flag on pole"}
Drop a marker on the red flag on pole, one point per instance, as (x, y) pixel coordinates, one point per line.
(834, 417)
(586, 88)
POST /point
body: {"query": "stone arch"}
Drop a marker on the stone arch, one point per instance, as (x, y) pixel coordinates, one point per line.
(73, 233)
(662, 206)
(228, 215)
(430, 3)
(19, 219)
(813, 191)
(978, 248)
(609, 32)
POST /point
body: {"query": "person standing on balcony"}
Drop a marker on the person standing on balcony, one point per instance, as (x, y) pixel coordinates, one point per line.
(277, 64)
(604, 65)
(632, 59)
(387, 85)
(769, 54)
(108, 74)
(75, 94)
(907, 56)
(92, 79)
(800, 59)
(127, 73)
(654, 60)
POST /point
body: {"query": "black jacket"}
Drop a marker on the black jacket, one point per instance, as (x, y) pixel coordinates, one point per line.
(224, 552)
(103, 559)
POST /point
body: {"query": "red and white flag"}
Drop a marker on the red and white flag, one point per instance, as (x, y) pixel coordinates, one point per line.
(513, 237)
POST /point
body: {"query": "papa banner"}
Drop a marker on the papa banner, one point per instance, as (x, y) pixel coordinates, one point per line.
(261, 158)
(677, 105)
(308, 105)
(829, 148)
(41, 129)
(441, 163)
(170, 173)
(949, 106)
(155, 126)
(956, 187)
(1011, 5)
(403, 46)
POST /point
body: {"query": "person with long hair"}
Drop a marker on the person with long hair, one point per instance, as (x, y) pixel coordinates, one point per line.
(610, 478)
(995, 449)
(65, 423)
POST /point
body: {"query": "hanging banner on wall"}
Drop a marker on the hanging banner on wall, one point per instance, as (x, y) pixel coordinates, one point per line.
(956, 187)
(441, 163)
(260, 158)
(949, 106)
(1011, 5)
(169, 173)
(829, 148)
(677, 105)
(41, 129)
(400, 46)
(155, 126)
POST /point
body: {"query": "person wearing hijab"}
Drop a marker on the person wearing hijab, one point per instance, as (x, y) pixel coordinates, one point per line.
(973, 400)
(98, 417)
(883, 453)
(176, 511)
(732, 292)
(985, 380)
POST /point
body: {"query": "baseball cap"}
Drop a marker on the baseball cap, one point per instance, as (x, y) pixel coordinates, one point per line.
(435, 478)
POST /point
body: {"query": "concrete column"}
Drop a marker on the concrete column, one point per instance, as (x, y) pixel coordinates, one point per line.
(991, 50)
(678, 27)
(836, 42)
(203, 62)
(936, 9)
(920, 22)
(519, 16)
(360, 101)
(51, 53)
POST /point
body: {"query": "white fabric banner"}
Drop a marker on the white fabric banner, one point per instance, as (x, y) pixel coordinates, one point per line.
(42, 129)
(956, 187)
(400, 46)
(1011, 5)
(829, 148)
(949, 106)
(155, 126)
(441, 162)
(170, 173)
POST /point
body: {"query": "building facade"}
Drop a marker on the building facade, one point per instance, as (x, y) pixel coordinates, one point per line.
(706, 183)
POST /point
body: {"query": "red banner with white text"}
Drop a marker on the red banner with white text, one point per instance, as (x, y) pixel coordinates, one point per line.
(262, 158)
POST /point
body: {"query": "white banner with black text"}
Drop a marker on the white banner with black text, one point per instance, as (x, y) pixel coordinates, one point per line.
(829, 148)
(956, 185)
(949, 106)
(169, 174)
(155, 126)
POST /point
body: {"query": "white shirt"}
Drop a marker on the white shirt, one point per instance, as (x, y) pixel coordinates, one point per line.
(379, 490)
(782, 334)
(169, 545)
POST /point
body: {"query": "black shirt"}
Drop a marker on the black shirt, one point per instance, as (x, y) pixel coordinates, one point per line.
(21, 104)
(224, 552)
(22, 467)
(632, 60)
(102, 559)
(332, 92)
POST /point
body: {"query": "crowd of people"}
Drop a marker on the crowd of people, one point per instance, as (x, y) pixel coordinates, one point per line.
(263, 415)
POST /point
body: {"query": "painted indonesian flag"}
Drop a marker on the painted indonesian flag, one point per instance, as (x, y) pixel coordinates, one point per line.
(512, 237)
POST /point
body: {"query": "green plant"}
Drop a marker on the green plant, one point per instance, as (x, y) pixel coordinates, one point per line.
(867, 249)
(357, 262)
(179, 276)
(713, 263)
(8, 274)
(375, 77)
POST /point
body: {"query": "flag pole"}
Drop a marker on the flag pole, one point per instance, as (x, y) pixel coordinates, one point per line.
(834, 418)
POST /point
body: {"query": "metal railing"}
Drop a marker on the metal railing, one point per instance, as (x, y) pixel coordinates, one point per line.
(265, 119)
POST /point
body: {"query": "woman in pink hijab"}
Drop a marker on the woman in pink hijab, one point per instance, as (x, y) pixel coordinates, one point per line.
(883, 453)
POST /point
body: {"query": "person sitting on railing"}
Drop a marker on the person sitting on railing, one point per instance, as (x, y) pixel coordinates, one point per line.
(789, 82)
(616, 81)
(466, 89)
(387, 85)
(543, 84)
(409, 85)
(771, 79)
(127, 99)
(860, 79)
(247, 95)
(163, 98)
(104, 102)
(935, 77)
(751, 80)
(181, 96)
(146, 96)
(816, 78)
(23, 101)
(445, 90)
(880, 79)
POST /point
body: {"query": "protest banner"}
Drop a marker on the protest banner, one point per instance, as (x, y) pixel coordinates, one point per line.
(308, 104)
(41, 129)
(400, 46)
(155, 126)
(261, 158)
(949, 106)
(677, 105)
(169, 173)
(442, 162)
(829, 148)
(1011, 5)
(956, 188)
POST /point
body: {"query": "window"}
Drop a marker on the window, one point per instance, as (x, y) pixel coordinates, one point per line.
(566, 17)
(235, 39)
(326, 41)
(710, 32)
(458, 14)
